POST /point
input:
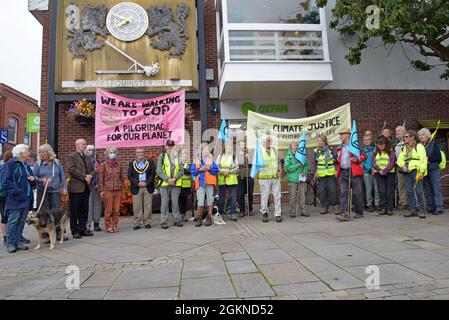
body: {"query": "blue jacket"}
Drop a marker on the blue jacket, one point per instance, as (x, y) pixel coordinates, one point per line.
(200, 175)
(433, 155)
(15, 182)
(367, 164)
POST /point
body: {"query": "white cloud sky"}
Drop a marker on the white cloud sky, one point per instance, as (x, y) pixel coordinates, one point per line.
(20, 48)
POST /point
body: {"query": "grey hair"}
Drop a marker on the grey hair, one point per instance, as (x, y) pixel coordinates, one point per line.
(19, 149)
(425, 131)
(402, 128)
(110, 149)
(90, 147)
(47, 148)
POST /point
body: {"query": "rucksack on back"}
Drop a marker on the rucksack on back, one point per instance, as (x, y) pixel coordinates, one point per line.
(442, 164)
(2, 169)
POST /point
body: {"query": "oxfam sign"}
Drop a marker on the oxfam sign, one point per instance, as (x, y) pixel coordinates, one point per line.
(263, 108)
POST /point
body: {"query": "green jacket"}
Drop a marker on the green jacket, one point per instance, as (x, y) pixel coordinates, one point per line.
(291, 167)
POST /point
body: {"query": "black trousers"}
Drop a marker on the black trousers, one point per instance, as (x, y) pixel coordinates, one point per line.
(386, 186)
(185, 192)
(79, 211)
(243, 190)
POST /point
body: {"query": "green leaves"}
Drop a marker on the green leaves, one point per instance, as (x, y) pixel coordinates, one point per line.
(423, 24)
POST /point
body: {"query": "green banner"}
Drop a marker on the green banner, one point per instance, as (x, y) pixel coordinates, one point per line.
(33, 122)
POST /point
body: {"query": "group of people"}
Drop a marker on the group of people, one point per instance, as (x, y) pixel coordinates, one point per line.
(410, 160)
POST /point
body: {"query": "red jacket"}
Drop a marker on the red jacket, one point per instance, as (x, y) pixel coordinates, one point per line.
(356, 167)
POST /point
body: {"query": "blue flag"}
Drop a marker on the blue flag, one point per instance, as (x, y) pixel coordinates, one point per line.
(258, 162)
(354, 141)
(301, 153)
(223, 134)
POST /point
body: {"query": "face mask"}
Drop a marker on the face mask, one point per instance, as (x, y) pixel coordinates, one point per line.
(112, 156)
(90, 153)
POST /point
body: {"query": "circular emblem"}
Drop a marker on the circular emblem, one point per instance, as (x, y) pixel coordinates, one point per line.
(110, 117)
(248, 106)
(127, 21)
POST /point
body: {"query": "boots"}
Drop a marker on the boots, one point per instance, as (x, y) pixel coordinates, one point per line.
(199, 218)
(209, 217)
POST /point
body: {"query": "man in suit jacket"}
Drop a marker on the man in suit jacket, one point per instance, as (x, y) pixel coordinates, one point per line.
(81, 172)
(141, 173)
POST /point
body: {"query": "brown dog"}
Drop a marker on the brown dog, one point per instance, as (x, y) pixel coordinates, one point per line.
(46, 221)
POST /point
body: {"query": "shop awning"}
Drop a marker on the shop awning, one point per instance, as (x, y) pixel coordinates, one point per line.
(432, 124)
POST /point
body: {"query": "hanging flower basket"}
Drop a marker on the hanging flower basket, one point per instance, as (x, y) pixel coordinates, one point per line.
(82, 111)
(84, 121)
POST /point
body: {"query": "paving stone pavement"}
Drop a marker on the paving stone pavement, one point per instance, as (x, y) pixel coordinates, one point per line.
(301, 258)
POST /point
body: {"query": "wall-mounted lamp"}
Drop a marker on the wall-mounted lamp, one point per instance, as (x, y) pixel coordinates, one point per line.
(213, 108)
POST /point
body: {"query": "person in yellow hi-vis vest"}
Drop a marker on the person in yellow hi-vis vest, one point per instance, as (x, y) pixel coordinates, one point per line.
(383, 166)
(186, 186)
(269, 181)
(227, 180)
(413, 163)
(170, 170)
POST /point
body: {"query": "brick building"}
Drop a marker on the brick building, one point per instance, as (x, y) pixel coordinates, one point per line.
(239, 50)
(14, 107)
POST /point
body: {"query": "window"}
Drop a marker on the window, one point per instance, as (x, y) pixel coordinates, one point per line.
(27, 138)
(12, 130)
(268, 11)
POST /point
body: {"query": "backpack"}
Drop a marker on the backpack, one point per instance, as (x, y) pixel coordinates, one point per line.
(2, 169)
(442, 164)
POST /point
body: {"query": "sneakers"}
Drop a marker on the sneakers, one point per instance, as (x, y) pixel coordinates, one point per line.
(278, 219)
(358, 216)
(137, 227)
(251, 213)
(198, 223)
(304, 214)
(437, 213)
(178, 224)
(242, 214)
(164, 226)
(265, 217)
(11, 249)
(25, 241)
(422, 214)
(21, 247)
(233, 217)
(325, 211)
(97, 227)
(390, 212)
(292, 215)
(148, 226)
(342, 217)
(383, 213)
(413, 213)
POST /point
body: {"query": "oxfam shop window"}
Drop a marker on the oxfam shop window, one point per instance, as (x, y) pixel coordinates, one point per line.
(269, 11)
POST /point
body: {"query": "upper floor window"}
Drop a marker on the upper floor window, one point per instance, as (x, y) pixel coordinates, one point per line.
(12, 130)
(270, 11)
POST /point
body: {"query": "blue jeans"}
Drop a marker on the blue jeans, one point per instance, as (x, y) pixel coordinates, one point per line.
(432, 186)
(410, 183)
(15, 226)
(232, 194)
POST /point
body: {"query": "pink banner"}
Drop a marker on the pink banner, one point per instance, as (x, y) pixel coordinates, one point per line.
(126, 123)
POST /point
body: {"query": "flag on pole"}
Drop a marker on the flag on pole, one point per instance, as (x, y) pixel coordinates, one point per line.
(354, 147)
(301, 153)
(258, 162)
(223, 134)
(434, 134)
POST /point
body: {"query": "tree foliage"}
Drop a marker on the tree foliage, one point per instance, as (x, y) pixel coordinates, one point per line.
(424, 24)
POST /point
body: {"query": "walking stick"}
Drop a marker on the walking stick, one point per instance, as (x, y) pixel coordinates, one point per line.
(350, 195)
